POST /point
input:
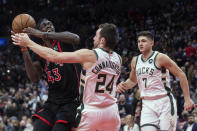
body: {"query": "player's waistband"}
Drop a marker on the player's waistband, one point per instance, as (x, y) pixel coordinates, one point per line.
(98, 107)
(153, 97)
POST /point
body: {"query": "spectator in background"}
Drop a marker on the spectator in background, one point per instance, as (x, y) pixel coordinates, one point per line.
(195, 65)
(176, 90)
(2, 127)
(123, 106)
(9, 109)
(28, 125)
(7, 124)
(194, 79)
(195, 115)
(190, 51)
(122, 121)
(194, 44)
(191, 125)
(1, 108)
(190, 73)
(180, 58)
(128, 127)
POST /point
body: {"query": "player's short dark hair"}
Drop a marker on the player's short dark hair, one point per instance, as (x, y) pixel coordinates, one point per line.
(146, 34)
(110, 33)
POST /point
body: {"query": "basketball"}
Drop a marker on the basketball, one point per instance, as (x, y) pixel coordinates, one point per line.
(22, 21)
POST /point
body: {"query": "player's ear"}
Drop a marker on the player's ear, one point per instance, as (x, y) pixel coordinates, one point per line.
(103, 40)
(152, 43)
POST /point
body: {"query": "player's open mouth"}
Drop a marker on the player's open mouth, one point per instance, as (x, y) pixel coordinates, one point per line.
(49, 29)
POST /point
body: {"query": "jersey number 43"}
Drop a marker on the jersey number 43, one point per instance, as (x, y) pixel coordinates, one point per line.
(54, 75)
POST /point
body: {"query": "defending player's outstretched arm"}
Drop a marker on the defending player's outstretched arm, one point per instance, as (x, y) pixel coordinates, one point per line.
(66, 37)
(164, 61)
(80, 56)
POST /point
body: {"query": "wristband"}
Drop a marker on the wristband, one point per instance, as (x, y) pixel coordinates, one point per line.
(46, 35)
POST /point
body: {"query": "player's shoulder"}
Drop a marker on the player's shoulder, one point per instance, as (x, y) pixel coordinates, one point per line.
(162, 59)
(84, 49)
(84, 53)
(119, 56)
(162, 56)
(136, 58)
(133, 61)
(99, 52)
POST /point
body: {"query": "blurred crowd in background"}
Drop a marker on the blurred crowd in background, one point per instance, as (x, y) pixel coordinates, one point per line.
(173, 24)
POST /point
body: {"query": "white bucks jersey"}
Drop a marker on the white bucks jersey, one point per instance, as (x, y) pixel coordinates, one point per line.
(150, 77)
(101, 79)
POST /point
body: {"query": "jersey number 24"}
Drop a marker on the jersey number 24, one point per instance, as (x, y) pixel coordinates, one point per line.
(109, 86)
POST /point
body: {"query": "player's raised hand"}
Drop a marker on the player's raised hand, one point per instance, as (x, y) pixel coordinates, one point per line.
(20, 39)
(189, 105)
(121, 87)
(34, 32)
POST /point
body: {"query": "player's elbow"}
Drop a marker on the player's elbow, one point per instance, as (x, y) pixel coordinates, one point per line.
(59, 57)
(181, 74)
(53, 59)
(52, 56)
(34, 80)
(77, 40)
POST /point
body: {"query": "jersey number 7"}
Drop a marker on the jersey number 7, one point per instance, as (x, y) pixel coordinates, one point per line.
(109, 86)
(145, 81)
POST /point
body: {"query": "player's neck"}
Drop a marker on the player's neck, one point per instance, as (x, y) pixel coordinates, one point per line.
(106, 49)
(146, 54)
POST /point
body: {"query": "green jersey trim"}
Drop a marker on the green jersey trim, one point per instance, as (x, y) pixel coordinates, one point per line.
(148, 57)
(136, 62)
(120, 59)
(107, 51)
(96, 54)
(155, 62)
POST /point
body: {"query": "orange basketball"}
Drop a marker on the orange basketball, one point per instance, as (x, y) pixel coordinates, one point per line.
(22, 21)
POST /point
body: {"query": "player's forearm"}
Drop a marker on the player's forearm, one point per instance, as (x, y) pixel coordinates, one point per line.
(31, 71)
(184, 85)
(66, 37)
(44, 52)
(129, 83)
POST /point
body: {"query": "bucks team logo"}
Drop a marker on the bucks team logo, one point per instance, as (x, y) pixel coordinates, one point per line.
(150, 61)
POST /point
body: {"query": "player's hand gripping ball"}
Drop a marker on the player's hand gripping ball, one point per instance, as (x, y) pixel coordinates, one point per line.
(22, 21)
